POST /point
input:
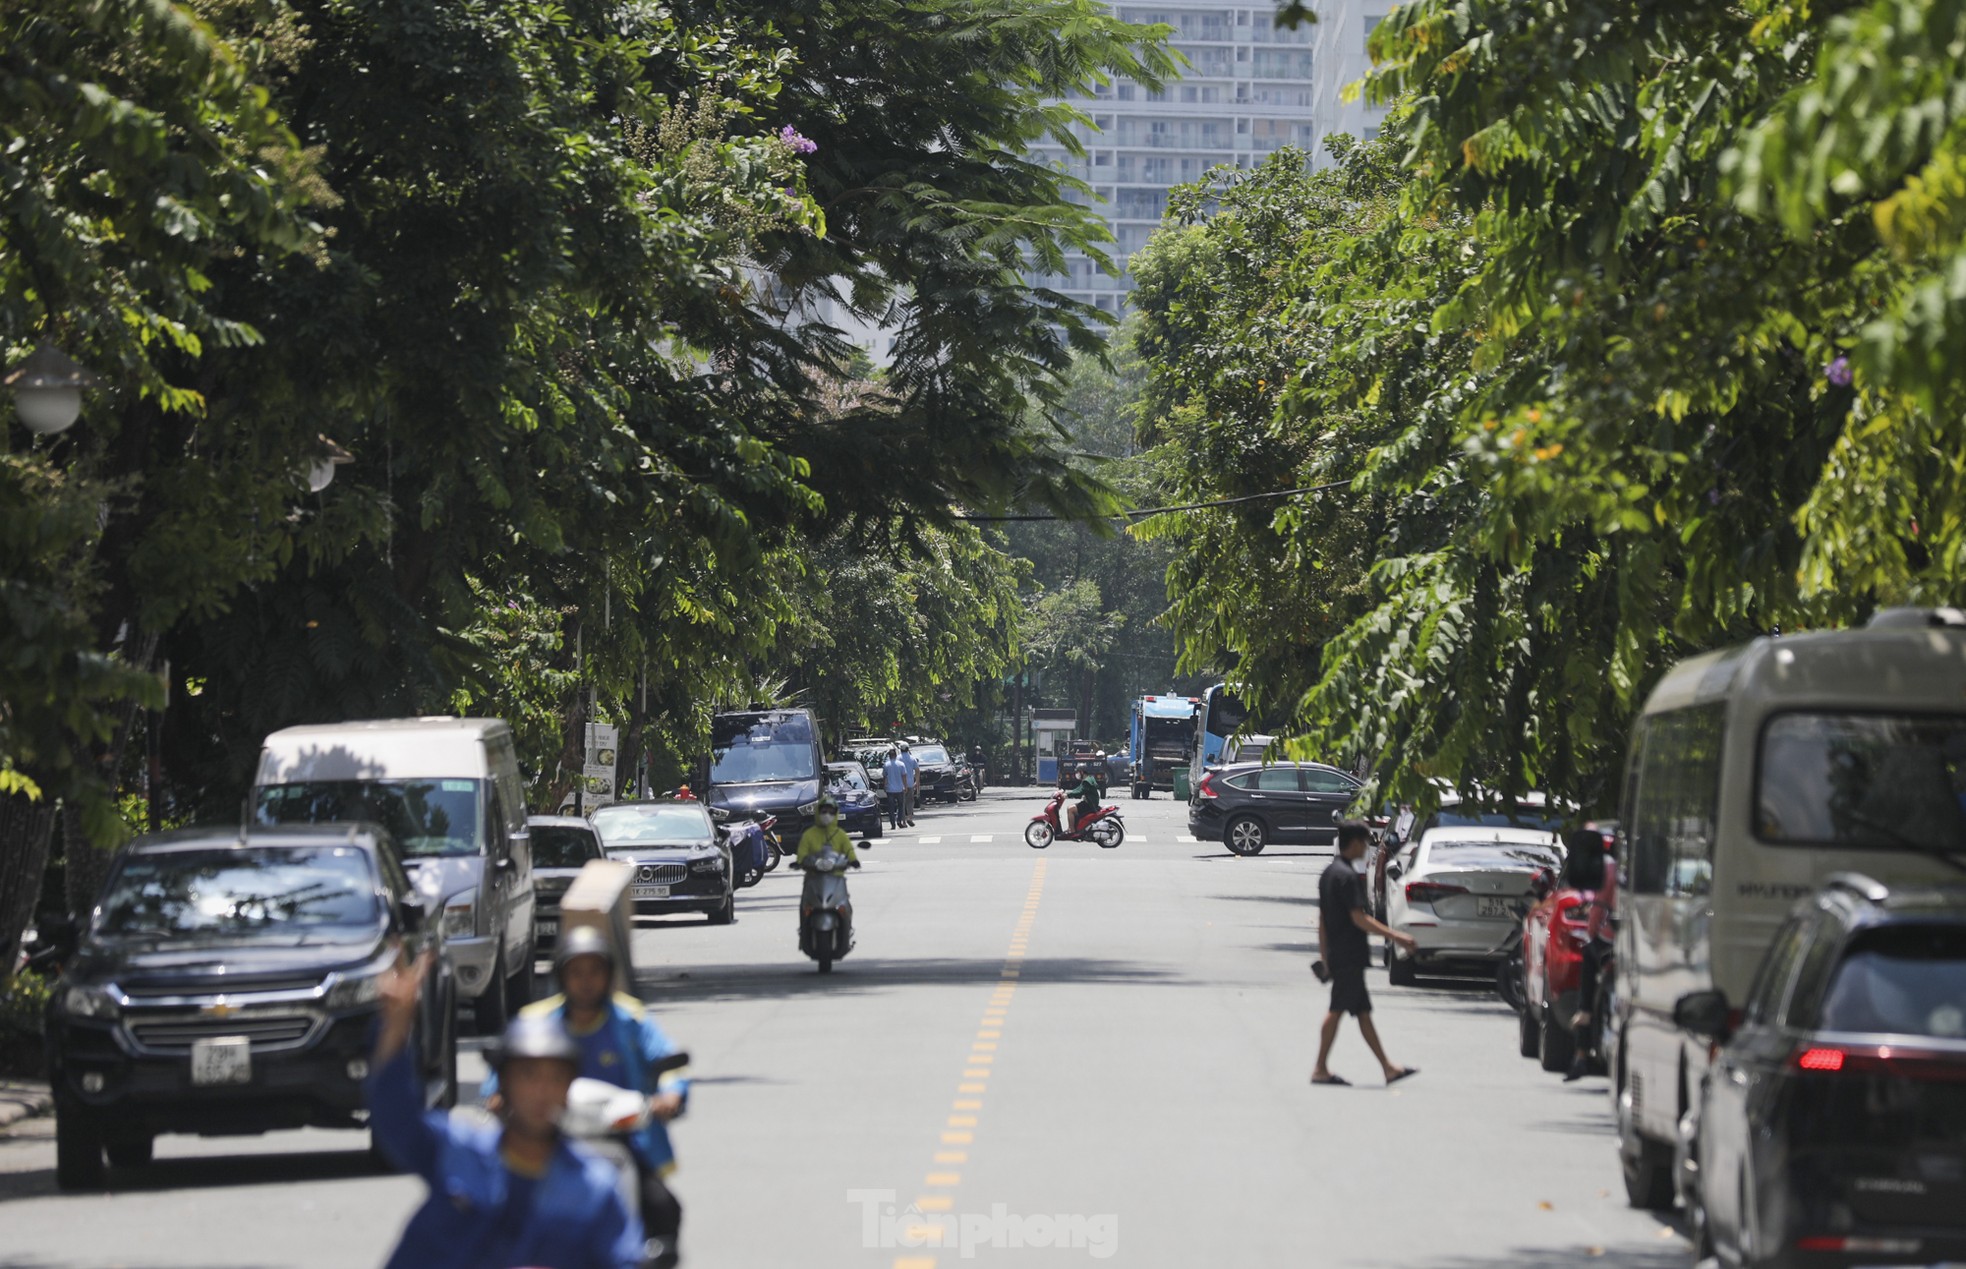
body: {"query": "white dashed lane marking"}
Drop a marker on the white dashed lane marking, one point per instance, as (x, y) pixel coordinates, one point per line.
(928, 841)
(984, 837)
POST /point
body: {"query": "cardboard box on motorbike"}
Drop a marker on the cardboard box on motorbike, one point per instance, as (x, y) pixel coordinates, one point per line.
(599, 897)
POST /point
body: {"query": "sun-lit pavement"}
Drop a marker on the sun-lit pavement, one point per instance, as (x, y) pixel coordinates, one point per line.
(1107, 1048)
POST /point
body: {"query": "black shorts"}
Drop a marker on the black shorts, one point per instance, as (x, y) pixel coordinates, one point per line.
(1348, 994)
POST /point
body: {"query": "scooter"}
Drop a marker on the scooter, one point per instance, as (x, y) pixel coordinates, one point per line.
(602, 1117)
(1104, 826)
(825, 932)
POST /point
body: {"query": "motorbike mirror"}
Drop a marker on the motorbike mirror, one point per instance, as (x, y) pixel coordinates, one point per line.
(1704, 1014)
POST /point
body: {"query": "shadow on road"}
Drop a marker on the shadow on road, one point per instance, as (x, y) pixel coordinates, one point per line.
(208, 1172)
(860, 975)
(1669, 1254)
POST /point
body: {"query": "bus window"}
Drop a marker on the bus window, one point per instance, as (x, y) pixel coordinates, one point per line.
(1677, 788)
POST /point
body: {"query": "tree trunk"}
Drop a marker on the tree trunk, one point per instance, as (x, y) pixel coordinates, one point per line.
(25, 830)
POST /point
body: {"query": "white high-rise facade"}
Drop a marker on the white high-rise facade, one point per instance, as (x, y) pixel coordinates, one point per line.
(1250, 90)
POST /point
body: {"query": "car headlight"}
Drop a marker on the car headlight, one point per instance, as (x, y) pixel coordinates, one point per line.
(352, 991)
(89, 1002)
(460, 919)
(712, 863)
(810, 808)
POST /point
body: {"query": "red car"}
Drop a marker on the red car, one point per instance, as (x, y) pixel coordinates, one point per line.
(1554, 936)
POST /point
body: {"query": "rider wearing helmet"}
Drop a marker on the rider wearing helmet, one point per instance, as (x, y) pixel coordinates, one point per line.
(824, 835)
(506, 1194)
(618, 1043)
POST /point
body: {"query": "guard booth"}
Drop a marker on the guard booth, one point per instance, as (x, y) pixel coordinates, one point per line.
(1052, 733)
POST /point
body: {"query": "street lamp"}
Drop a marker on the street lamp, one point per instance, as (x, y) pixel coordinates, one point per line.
(327, 457)
(48, 390)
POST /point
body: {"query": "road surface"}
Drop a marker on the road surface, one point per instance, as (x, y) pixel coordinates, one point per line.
(1065, 1057)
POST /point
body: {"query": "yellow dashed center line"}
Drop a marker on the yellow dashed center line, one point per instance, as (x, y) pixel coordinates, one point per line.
(959, 1130)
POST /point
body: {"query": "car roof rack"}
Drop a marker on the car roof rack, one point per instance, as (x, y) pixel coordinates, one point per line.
(1856, 883)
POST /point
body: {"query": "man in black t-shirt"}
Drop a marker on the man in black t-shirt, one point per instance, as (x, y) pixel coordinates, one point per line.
(1344, 951)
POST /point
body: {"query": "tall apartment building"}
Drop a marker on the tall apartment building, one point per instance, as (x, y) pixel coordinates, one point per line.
(1251, 89)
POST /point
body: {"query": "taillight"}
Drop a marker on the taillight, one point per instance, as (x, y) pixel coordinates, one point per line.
(1206, 789)
(1847, 1244)
(1430, 891)
(1896, 1061)
(1820, 1059)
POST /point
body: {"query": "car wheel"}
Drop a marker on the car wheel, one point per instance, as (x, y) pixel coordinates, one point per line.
(1245, 835)
(488, 1012)
(1646, 1165)
(130, 1148)
(879, 829)
(1529, 1037)
(1555, 1045)
(726, 912)
(449, 1099)
(1401, 971)
(78, 1149)
(524, 985)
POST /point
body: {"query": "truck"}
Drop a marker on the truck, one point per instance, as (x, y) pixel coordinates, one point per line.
(1163, 738)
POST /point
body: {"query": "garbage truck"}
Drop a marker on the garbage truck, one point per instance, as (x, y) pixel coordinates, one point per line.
(1162, 741)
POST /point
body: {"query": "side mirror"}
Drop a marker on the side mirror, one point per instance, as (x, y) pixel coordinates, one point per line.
(410, 914)
(1394, 870)
(506, 864)
(1704, 1014)
(721, 813)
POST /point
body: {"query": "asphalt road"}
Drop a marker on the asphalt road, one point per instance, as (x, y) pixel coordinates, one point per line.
(1059, 1058)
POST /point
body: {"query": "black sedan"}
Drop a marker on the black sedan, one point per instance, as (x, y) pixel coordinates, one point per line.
(682, 863)
(1249, 805)
(227, 983)
(939, 774)
(1832, 1130)
(561, 846)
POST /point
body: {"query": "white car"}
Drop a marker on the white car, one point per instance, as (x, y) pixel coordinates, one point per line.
(1461, 892)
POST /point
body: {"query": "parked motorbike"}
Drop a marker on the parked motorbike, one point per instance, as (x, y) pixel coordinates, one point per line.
(774, 844)
(750, 850)
(969, 783)
(1105, 826)
(825, 932)
(1510, 984)
(603, 1116)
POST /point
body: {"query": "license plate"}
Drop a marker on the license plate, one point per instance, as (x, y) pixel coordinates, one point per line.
(222, 1060)
(1487, 906)
(648, 892)
(549, 927)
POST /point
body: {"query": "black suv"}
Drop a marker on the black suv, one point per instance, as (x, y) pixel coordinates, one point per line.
(226, 983)
(1248, 805)
(1833, 1126)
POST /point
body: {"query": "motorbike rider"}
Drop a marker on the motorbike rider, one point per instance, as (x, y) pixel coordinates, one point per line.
(618, 1043)
(1087, 794)
(824, 835)
(504, 1195)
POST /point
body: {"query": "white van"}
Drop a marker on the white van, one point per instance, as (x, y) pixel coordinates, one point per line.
(448, 790)
(1754, 774)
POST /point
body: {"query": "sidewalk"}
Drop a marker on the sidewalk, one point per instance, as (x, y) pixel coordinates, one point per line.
(22, 1099)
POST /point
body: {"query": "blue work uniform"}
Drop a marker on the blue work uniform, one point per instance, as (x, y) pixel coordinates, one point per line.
(620, 1050)
(895, 773)
(483, 1214)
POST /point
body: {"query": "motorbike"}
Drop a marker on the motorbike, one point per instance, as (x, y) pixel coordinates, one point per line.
(1510, 984)
(774, 844)
(1105, 826)
(825, 932)
(969, 783)
(603, 1116)
(750, 849)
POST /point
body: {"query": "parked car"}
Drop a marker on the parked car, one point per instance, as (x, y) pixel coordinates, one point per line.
(1461, 894)
(682, 863)
(860, 805)
(226, 983)
(1248, 806)
(448, 791)
(938, 774)
(1833, 1129)
(1554, 936)
(765, 763)
(561, 846)
(1401, 827)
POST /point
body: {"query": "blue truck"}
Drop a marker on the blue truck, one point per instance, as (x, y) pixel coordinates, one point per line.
(1162, 740)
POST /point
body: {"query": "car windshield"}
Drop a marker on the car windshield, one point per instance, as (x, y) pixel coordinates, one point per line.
(848, 776)
(1518, 851)
(749, 748)
(657, 824)
(1901, 980)
(426, 817)
(1524, 817)
(1864, 780)
(931, 754)
(562, 846)
(241, 892)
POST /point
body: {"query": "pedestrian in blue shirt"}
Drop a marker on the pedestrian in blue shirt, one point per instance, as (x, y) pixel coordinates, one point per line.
(510, 1195)
(914, 793)
(894, 779)
(620, 1044)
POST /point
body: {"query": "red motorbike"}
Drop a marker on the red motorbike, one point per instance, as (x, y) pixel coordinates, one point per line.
(1104, 826)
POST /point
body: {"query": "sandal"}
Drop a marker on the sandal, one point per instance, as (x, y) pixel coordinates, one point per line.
(1411, 1070)
(1339, 1080)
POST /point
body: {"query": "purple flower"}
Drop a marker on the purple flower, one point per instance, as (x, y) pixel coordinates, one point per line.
(1838, 372)
(798, 144)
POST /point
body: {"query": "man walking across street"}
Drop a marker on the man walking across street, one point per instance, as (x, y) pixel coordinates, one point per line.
(1344, 950)
(894, 781)
(913, 794)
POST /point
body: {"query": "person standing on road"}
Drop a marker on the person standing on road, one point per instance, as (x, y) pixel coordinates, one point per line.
(894, 780)
(620, 1044)
(1344, 951)
(511, 1194)
(914, 792)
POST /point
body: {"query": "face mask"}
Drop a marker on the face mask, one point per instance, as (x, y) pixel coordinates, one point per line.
(827, 818)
